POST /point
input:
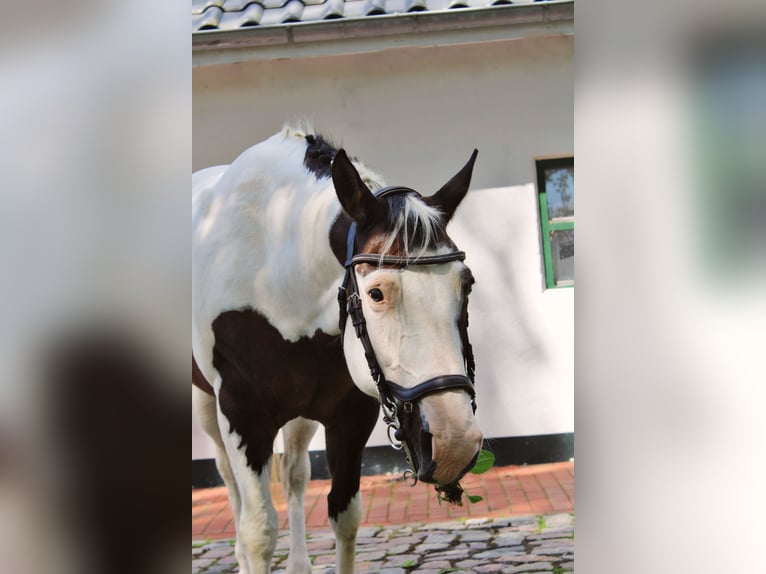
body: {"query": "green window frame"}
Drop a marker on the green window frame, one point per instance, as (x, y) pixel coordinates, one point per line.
(552, 223)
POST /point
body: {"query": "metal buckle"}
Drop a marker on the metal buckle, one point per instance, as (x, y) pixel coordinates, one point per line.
(392, 441)
(353, 301)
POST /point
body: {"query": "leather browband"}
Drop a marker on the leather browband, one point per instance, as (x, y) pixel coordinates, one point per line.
(407, 261)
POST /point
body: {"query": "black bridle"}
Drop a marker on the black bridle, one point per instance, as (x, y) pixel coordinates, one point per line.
(393, 397)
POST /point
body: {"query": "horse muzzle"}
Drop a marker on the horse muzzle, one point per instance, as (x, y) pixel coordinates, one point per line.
(439, 434)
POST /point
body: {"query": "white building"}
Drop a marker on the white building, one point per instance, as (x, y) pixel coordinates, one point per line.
(412, 93)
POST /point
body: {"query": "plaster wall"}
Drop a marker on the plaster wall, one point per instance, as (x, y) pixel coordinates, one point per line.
(414, 115)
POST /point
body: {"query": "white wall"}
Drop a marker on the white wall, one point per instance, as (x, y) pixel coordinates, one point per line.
(414, 115)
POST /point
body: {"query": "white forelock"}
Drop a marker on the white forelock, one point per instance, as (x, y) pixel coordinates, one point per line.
(422, 217)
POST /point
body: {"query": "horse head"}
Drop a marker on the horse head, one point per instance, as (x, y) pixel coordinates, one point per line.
(406, 292)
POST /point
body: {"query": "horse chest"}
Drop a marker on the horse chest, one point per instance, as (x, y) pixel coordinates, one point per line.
(267, 381)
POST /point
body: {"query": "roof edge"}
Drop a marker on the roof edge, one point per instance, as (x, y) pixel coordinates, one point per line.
(353, 35)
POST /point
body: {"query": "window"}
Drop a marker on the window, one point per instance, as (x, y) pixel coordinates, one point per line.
(555, 186)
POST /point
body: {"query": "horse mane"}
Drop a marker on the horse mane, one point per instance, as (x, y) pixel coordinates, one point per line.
(413, 227)
(305, 129)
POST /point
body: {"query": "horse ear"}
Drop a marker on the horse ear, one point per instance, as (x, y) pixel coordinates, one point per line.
(452, 193)
(355, 197)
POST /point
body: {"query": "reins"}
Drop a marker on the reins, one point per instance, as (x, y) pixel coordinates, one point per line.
(394, 397)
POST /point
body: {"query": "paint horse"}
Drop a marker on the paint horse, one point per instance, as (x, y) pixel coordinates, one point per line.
(275, 234)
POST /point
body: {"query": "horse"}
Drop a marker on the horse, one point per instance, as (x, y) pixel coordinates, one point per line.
(321, 296)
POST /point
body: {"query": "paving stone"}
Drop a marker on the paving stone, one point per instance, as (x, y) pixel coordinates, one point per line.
(452, 553)
(490, 568)
(552, 550)
(559, 519)
(523, 558)
(469, 546)
(392, 571)
(490, 554)
(370, 556)
(567, 565)
(368, 531)
(423, 548)
(444, 526)
(404, 560)
(440, 564)
(474, 535)
(469, 563)
(369, 541)
(413, 538)
(441, 538)
(552, 543)
(512, 550)
(391, 549)
(508, 539)
(531, 567)
(552, 533)
(219, 552)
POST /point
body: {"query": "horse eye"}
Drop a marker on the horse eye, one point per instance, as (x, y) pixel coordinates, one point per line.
(376, 295)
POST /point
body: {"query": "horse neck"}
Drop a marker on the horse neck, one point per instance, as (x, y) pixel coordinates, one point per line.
(303, 274)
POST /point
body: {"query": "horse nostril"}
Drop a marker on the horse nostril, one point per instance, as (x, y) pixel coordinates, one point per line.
(399, 435)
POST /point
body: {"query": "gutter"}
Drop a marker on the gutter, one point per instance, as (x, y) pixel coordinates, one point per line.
(376, 33)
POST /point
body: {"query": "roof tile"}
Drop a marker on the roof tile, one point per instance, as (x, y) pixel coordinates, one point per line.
(325, 11)
(234, 14)
(250, 16)
(290, 12)
(208, 20)
(199, 6)
(362, 8)
(236, 5)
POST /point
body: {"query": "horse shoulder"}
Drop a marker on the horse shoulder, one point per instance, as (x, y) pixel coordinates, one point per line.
(261, 240)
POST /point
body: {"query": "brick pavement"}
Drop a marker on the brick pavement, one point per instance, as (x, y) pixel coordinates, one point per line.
(508, 491)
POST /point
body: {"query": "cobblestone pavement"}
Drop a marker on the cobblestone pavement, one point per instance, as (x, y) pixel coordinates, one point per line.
(542, 544)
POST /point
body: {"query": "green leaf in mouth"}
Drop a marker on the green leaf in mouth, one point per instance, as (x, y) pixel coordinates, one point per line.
(484, 462)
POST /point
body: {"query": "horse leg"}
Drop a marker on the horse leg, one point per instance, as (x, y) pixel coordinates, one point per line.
(205, 408)
(345, 440)
(296, 472)
(257, 525)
